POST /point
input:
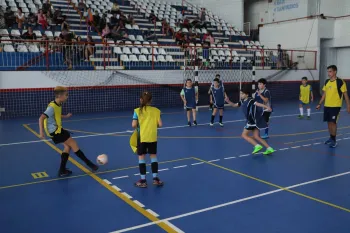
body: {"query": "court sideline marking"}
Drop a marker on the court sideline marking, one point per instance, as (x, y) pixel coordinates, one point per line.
(235, 201)
(130, 131)
(152, 218)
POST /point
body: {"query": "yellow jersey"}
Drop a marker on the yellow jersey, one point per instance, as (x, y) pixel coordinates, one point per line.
(148, 123)
(334, 92)
(305, 93)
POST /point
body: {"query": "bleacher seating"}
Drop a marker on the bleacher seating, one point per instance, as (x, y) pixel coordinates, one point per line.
(136, 52)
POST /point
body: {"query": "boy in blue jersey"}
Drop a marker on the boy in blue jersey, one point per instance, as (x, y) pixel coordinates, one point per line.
(217, 100)
(263, 96)
(255, 121)
(217, 76)
(189, 96)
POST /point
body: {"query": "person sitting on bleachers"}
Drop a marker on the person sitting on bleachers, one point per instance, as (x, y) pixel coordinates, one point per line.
(42, 20)
(10, 17)
(96, 20)
(32, 20)
(44, 43)
(114, 20)
(46, 7)
(29, 35)
(103, 22)
(115, 9)
(152, 17)
(149, 35)
(20, 18)
(186, 24)
(166, 28)
(130, 20)
(89, 48)
(106, 32)
(82, 7)
(118, 34)
(202, 15)
(179, 37)
(49, 18)
(79, 49)
(64, 24)
(58, 17)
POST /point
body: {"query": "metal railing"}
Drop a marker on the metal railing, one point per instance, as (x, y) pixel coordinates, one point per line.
(52, 55)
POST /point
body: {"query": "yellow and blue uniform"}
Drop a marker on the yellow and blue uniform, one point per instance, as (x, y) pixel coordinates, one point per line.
(53, 123)
(148, 120)
(334, 99)
(305, 93)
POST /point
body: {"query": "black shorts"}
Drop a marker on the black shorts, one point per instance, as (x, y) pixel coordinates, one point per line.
(331, 114)
(267, 116)
(147, 148)
(61, 137)
(250, 128)
(219, 107)
(189, 109)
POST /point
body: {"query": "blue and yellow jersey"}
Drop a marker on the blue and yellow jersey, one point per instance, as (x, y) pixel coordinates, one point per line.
(334, 96)
(148, 123)
(305, 93)
(53, 121)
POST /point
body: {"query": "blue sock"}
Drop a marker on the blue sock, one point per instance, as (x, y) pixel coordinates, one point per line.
(142, 167)
(267, 131)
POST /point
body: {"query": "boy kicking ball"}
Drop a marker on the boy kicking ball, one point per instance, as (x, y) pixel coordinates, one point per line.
(304, 98)
(255, 121)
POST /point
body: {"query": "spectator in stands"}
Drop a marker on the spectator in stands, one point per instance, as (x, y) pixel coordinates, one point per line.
(96, 21)
(130, 20)
(67, 50)
(166, 28)
(202, 15)
(29, 35)
(103, 22)
(42, 20)
(44, 43)
(81, 7)
(115, 9)
(79, 49)
(58, 17)
(280, 59)
(106, 32)
(10, 17)
(56, 44)
(20, 18)
(186, 24)
(152, 17)
(49, 17)
(149, 35)
(32, 20)
(208, 38)
(64, 24)
(114, 20)
(46, 7)
(179, 37)
(89, 48)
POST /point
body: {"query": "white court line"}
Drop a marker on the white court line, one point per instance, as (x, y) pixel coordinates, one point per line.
(317, 143)
(228, 203)
(194, 164)
(152, 212)
(127, 195)
(180, 166)
(130, 131)
(120, 177)
(139, 203)
(295, 147)
(173, 227)
(215, 160)
(137, 174)
(307, 145)
(244, 155)
(107, 181)
(233, 157)
(165, 169)
(116, 188)
(284, 149)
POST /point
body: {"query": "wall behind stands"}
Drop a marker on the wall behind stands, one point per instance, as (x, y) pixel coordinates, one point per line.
(335, 8)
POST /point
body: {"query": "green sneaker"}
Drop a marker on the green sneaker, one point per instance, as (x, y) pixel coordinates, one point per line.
(257, 148)
(300, 117)
(269, 151)
(308, 118)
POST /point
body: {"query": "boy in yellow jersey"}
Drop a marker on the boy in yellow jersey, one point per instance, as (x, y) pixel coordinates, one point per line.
(51, 121)
(147, 120)
(334, 90)
(304, 97)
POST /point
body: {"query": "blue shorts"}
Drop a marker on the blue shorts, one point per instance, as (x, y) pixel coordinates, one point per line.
(304, 104)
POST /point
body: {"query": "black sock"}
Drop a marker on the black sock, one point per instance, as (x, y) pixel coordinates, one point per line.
(142, 167)
(210, 105)
(333, 137)
(81, 156)
(221, 119)
(64, 159)
(212, 119)
(154, 167)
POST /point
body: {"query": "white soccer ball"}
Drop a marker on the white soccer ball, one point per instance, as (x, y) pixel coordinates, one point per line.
(102, 159)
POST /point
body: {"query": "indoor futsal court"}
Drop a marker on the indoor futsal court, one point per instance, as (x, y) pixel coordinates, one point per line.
(212, 181)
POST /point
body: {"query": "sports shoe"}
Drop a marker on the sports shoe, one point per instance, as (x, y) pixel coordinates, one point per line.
(265, 136)
(257, 148)
(333, 144)
(195, 123)
(211, 124)
(269, 151)
(64, 173)
(300, 117)
(328, 142)
(221, 124)
(308, 117)
(141, 184)
(189, 124)
(157, 181)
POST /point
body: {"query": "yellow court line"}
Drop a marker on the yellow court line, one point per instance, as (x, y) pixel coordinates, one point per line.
(275, 185)
(78, 176)
(141, 210)
(104, 118)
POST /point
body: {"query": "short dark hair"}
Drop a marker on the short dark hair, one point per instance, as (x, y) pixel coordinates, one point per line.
(333, 67)
(188, 80)
(304, 78)
(216, 80)
(218, 75)
(246, 90)
(263, 81)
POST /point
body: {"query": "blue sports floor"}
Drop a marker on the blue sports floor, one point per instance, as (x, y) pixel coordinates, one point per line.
(212, 182)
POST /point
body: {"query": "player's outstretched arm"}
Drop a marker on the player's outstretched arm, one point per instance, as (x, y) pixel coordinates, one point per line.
(263, 106)
(235, 105)
(67, 116)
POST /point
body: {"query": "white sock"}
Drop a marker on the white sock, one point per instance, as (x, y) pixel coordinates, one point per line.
(301, 111)
(308, 111)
